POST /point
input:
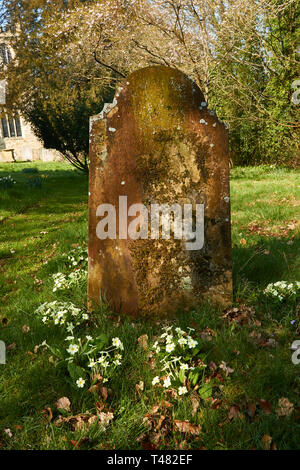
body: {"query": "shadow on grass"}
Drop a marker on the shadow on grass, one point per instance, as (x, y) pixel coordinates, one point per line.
(268, 260)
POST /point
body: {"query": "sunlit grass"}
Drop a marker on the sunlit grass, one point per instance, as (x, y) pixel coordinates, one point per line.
(38, 225)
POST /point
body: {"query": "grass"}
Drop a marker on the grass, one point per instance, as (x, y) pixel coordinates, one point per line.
(39, 224)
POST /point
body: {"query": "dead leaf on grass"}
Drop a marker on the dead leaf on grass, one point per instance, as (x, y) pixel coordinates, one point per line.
(251, 410)
(143, 342)
(63, 404)
(187, 428)
(234, 412)
(266, 442)
(265, 406)
(285, 407)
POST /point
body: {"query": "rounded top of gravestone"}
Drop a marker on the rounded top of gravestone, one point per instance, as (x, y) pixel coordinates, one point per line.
(161, 97)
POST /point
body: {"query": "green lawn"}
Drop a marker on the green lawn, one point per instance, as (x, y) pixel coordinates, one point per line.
(42, 217)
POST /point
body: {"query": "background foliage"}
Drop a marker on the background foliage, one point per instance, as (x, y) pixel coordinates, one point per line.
(70, 55)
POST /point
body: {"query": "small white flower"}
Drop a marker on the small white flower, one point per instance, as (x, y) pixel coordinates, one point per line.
(179, 331)
(73, 349)
(80, 382)
(184, 367)
(70, 327)
(92, 364)
(117, 343)
(69, 338)
(155, 381)
(167, 382)
(170, 347)
(169, 339)
(182, 341)
(192, 343)
(182, 391)
(89, 338)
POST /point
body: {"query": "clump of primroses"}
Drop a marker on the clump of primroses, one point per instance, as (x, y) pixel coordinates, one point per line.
(178, 356)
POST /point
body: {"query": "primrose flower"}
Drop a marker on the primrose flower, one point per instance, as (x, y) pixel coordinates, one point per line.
(179, 331)
(73, 349)
(182, 341)
(155, 381)
(69, 338)
(70, 327)
(80, 382)
(117, 343)
(182, 391)
(167, 382)
(170, 347)
(192, 343)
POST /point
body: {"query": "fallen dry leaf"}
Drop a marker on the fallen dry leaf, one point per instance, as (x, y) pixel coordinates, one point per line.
(266, 442)
(165, 404)
(234, 412)
(187, 428)
(285, 407)
(160, 421)
(63, 404)
(195, 404)
(48, 415)
(104, 392)
(140, 387)
(226, 368)
(105, 418)
(154, 410)
(242, 314)
(265, 406)
(243, 241)
(8, 433)
(182, 445)
(25, 329)
(143, 342)
(85, 420)
(251, 409)
(148, 445)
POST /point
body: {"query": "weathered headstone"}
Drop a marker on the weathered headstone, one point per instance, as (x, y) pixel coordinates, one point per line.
(159, 144)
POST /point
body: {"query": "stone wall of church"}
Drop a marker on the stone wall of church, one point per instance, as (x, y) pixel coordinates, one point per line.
(17, 140)
(26, 148)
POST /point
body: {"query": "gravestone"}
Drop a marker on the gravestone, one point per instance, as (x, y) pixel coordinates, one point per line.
(159, 146)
